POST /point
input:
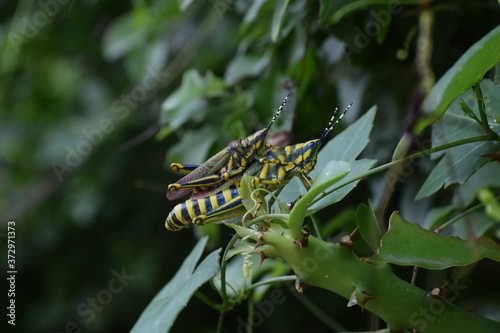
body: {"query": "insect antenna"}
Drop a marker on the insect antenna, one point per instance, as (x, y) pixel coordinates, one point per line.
(332, 124)
(278, 112)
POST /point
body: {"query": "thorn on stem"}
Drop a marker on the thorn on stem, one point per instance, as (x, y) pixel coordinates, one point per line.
(262, 258)
(366, 297)
(304, 242)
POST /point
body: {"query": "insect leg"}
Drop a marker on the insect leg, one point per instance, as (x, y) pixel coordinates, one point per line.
(183, 167)
(201, 182)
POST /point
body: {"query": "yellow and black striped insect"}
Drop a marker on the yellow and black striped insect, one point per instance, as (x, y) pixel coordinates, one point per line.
(272, 170)
(279, 165)
(205, 179)
(224, 206)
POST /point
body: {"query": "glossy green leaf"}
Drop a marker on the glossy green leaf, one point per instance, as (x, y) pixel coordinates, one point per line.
(278, 18)
(368, 226)
(160, 314)
(408, 244)
(466, 72)
(461, 162)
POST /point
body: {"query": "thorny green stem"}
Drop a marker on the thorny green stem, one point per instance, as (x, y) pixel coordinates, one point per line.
(338, 269)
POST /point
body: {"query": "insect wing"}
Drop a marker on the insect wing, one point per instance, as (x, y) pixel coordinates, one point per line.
(210, 167)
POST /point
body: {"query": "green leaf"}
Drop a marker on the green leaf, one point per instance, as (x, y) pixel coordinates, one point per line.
(184, 4)
(347, 145)
(253, 11)
(402, 147)
(194, 146)
(408, 244)
(160, 314)
(466, 72)
(123, 36)
(487, 176)
(331, 12)
(358, 167)
(461, 162)
(246, 65)
(436, 216)
(278, 18)
(332, 173)
(368, 226)
(473, 225)
(246, 190)
(189, 99)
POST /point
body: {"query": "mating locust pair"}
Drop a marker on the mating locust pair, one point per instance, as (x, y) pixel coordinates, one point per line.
(214, 185)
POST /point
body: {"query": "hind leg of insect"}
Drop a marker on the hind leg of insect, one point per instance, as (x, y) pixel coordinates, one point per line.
(183, 167)
(202, 182)
(227, 211)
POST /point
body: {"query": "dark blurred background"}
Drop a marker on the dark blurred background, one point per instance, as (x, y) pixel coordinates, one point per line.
(97, 98)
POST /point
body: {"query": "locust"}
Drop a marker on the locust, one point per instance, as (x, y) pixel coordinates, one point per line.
(272, 170)
(205, 179)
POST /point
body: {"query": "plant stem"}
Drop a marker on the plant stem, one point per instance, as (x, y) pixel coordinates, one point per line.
(482, 112)
(207, 301)
(459, 216)
(408, 158)
(223, 271)
(285, 278)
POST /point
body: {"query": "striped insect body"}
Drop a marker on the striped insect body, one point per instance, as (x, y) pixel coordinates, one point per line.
(224, 206)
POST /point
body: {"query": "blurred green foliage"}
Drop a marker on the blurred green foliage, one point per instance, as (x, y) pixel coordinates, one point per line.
(93, 94)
